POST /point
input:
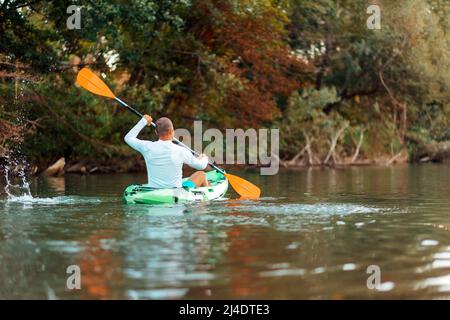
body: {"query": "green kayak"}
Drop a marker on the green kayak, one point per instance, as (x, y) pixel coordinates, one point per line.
(141, 194)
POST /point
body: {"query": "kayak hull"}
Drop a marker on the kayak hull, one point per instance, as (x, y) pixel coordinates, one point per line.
(142, 194)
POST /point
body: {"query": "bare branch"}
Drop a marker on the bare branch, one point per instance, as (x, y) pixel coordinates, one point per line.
(333, 143)
(361, 139)
(308, 148)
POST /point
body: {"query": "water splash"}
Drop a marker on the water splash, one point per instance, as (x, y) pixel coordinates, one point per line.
(22, 187)
(61, 200)
(15, 163)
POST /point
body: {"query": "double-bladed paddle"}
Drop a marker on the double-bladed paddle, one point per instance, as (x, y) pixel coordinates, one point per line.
(91, 82)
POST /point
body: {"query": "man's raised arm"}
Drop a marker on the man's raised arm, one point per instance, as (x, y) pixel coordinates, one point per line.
(131, 137)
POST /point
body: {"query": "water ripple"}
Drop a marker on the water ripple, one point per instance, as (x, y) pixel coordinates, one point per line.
(60, 200)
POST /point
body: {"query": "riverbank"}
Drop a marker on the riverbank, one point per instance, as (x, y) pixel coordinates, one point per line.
(137, 164)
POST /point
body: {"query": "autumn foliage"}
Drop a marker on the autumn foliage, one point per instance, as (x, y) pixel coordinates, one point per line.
(252, 48)
(338, 91)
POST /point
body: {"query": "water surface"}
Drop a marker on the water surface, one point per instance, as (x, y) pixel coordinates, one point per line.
(312, 236)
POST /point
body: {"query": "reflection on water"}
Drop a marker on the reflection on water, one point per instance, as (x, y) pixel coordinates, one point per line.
(313, 235)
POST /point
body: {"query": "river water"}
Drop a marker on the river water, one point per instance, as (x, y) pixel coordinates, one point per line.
(315, 234)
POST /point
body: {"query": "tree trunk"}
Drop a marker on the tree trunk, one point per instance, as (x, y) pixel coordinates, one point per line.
(361, 139)
(308, 149)
(333, 143)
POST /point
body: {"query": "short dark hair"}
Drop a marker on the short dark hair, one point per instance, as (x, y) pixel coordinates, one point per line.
(163, 126)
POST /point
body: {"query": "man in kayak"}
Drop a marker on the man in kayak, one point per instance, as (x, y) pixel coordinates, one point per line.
(164, 159)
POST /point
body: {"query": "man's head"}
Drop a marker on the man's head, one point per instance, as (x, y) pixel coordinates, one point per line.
(164, 129)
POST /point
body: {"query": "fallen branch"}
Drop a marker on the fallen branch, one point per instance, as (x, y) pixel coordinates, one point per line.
(56, 169)
(394, 158)
(294, 160)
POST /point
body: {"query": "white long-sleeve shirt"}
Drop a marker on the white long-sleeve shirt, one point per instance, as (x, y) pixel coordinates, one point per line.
(164, 159)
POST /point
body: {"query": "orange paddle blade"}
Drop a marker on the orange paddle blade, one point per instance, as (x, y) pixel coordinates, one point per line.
(91, 82)
(243, 187)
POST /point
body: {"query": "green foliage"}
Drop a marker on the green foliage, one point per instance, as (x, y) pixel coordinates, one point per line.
(307, 67)
(304, 115)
